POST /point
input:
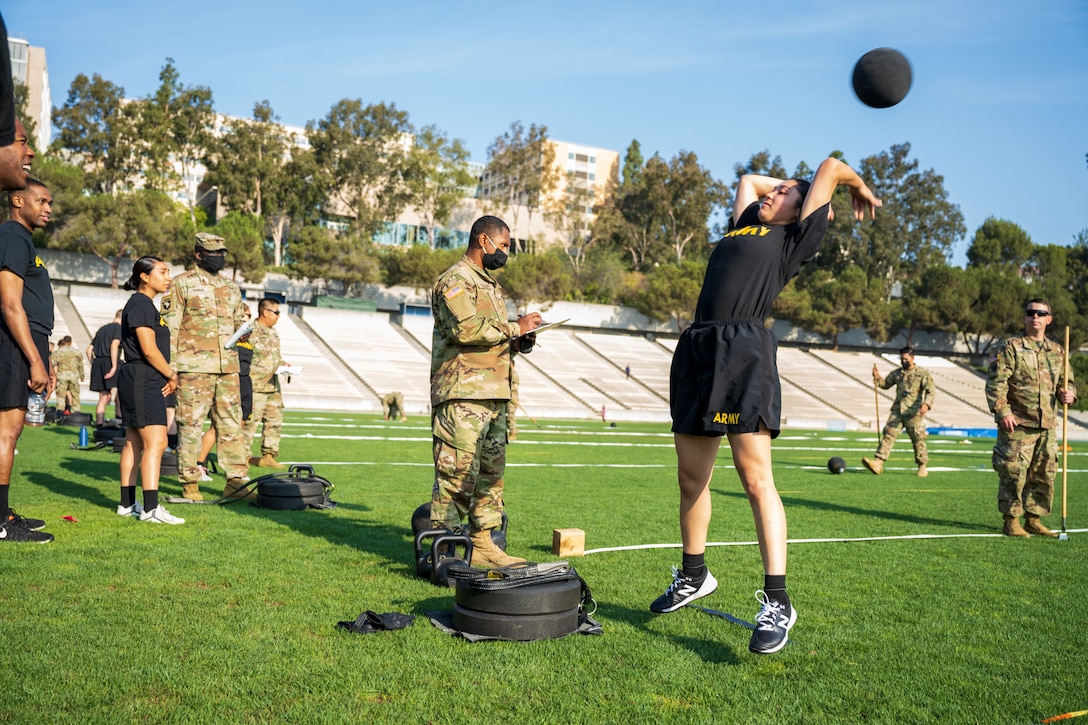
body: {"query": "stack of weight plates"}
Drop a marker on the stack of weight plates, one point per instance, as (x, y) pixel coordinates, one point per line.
(533, 611)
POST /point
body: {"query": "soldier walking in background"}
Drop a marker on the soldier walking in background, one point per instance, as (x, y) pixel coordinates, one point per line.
(1023, 394)
(104, 356)
(471, 351)
(203, 310)
(69, 364)
(914, 392)
(267, 396)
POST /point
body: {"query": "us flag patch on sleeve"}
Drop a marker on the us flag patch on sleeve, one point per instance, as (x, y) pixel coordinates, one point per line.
(454, 291)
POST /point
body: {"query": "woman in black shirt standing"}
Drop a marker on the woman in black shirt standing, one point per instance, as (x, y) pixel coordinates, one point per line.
(144, 381)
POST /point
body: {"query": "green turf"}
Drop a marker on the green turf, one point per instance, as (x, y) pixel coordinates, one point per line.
(231, 617)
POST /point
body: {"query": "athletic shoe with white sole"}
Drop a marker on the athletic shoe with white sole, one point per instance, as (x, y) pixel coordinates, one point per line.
(772, 625)
(13, 530)
(683, 590)
(160, 515)
(134, 510)
(32, 524)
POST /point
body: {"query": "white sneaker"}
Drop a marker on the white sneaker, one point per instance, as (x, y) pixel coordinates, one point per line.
(160, 515)
(134, 510)
(204, 473)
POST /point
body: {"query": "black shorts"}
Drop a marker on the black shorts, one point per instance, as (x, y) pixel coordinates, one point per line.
(14, 368)
(99, 367)
(724, 379)
(139, 395)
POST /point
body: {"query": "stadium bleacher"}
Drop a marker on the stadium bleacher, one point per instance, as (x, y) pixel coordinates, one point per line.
(351, 358)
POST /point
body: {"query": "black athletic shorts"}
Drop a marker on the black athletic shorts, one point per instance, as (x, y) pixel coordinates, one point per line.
(139, 395)
(724, 379)
(99, 367)
(14, 368)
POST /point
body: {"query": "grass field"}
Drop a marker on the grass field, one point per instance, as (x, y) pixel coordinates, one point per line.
(231, 617)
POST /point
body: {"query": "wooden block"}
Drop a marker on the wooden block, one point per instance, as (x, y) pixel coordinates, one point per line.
(568, 542)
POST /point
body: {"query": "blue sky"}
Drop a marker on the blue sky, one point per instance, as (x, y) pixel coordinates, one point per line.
(999, 104)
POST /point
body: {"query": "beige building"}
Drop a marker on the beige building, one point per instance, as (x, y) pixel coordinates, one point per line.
(28, 67)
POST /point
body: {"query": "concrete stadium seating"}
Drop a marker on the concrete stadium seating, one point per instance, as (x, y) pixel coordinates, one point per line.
(351, 358)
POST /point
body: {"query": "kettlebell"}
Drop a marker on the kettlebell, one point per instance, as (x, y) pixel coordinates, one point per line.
(443, 556)
(499, 535)
(423, 561)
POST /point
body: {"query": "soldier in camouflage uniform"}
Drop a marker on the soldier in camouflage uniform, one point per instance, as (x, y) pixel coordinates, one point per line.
(471, 351)
(267, 397)
(69, 363)
(913, 399)
(393, 406)
(1022, 391)
(203, 310)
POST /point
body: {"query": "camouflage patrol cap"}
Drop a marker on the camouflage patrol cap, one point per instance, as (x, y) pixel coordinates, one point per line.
(210, 242)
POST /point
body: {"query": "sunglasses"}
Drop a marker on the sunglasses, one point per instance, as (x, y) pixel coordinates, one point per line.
(275, 312)
(1036, 313)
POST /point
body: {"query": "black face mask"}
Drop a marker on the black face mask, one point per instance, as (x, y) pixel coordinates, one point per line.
(212, 263)
(495, 260)
(905, 364)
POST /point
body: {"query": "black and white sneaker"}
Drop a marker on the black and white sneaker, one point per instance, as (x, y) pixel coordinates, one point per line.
(14, 530)
(683, 590)
(772, 625)
(32, 524)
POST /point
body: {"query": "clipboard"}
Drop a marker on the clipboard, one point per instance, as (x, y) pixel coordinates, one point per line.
(239, 334)
(546, 326)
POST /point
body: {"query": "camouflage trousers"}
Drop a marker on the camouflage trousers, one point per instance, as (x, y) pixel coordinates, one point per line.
(65, 386)
(469, 462)
(916, 429)
(220, 394)
(267, 409)
(1026, 461)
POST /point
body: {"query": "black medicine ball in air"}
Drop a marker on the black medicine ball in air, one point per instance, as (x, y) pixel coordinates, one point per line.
(836, 465)
(882, 78)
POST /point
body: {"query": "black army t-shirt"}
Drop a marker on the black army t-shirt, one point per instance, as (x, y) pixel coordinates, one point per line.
(140, 311)
(103, 339)
(753, 262)
(18, 254)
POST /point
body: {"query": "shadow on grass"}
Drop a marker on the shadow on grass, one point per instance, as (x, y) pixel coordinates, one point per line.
(793, 501)
(711, 648)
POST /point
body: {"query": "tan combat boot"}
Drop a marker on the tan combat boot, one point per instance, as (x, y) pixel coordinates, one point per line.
(922, 472)
(874, 464)
(268, 461)
(191, 491)
(236, 488)
(486, 554)
(1033, 525)
(1013, 527)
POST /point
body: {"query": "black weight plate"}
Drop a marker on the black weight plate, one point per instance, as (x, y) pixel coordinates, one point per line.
(290, 489)
(523, 627)
(287, 503)
(546, 598)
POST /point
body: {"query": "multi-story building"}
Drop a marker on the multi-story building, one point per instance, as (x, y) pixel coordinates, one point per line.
(28, 68)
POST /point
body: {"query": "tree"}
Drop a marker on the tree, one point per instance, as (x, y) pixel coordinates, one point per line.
(416, 266)
(670, 292)
(96, 129)
(244, 233)
(118, 229)
(521, 171)
(338, 260)
(535, 278)
(999, 243)
(362, 162)
(175, 127)
(570, 215)
(440, 177)
(691, 195)
(22, 111)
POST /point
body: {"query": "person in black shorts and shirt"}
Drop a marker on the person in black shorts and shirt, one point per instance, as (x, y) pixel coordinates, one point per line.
(104, 355)
(724, 378)
(143, 382)
(26, 304)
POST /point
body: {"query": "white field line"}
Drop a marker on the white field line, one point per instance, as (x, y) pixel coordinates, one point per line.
(905, 537)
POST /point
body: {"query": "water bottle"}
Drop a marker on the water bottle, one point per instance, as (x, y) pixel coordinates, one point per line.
(35, 409)
(83, 436)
